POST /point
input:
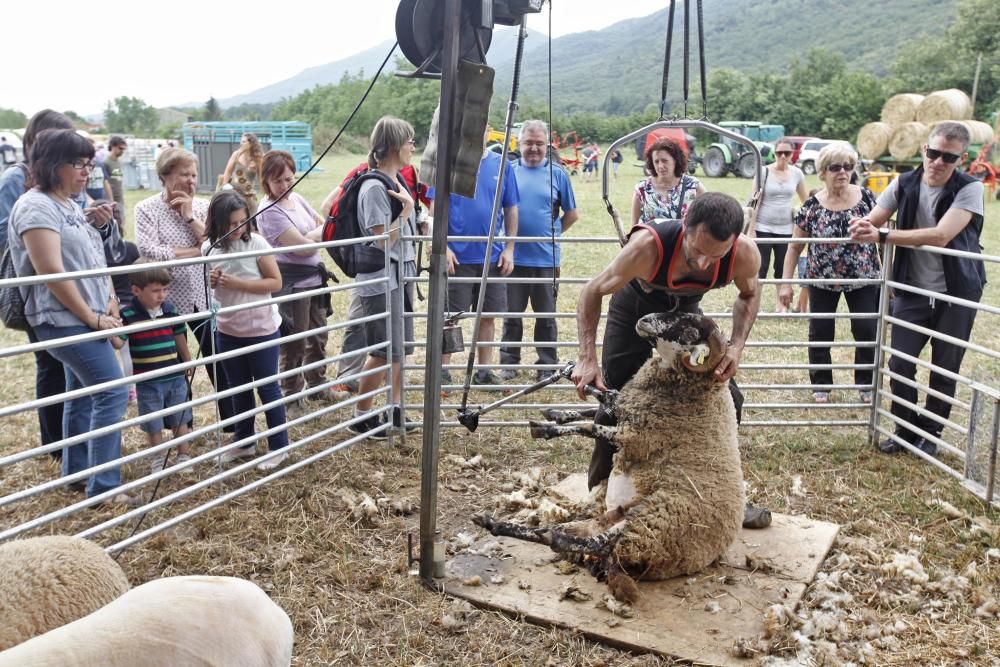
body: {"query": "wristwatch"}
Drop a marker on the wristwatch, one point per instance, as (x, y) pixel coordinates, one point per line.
(883, 234)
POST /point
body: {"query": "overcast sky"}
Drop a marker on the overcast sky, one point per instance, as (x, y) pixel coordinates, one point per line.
(77, 56)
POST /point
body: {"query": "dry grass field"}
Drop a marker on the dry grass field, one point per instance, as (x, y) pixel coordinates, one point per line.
(912, 580)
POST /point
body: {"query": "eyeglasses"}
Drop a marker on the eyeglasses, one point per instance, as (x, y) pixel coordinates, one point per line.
(782, 153)
(80, 164)
(948, 158)
(837, 168)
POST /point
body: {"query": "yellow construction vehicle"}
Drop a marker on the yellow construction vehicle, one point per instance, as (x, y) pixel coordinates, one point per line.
(494, 139)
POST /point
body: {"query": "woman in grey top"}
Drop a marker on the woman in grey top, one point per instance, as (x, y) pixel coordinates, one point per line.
(392, 149)
(774, 218)
(48, 234)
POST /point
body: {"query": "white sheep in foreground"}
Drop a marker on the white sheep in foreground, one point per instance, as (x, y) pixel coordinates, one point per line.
(173, 622)
(47, 582)
(675, 497)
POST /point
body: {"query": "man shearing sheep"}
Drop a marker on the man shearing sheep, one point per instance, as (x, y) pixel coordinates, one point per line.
(667, 265)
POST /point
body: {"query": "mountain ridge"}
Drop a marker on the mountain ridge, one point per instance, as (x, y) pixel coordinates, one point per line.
(618, 69)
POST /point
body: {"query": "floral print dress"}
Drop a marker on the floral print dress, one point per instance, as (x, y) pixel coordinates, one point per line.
(672, 206)
(836, 260)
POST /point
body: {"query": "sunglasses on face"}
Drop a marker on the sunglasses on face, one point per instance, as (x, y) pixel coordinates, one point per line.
(948, 158)
(782, 153)
(836, 168)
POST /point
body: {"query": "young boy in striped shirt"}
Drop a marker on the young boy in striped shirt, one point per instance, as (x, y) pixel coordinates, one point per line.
(154, 349)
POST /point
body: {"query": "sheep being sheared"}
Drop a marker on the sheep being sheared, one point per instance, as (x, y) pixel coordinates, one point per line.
(674, 499)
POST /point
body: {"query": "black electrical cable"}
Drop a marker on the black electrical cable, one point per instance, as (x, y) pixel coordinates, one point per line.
(548, 150)
(701, 55)
(322, 155)
(666, 61)
(687, 50)
(246, 222)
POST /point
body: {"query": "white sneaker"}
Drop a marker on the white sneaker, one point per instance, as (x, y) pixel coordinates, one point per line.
(158, 462)
(184, 458)
(821, 396)
(271, 464)
(246, 452)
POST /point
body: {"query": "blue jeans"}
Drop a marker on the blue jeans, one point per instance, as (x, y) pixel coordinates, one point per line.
(247, 368)
(88, 364)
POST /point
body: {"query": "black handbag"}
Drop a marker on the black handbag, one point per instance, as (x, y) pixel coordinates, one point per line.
(11, 298)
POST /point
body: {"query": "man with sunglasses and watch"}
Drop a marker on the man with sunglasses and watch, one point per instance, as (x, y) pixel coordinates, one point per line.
(935, 205)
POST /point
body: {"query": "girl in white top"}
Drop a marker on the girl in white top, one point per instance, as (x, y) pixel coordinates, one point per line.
(774, 218)
(241, 281)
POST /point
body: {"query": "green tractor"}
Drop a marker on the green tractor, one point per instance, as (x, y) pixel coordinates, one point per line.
(727, 156)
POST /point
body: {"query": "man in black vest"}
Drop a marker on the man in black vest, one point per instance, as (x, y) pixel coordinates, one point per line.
(667, 265)
(935, 205)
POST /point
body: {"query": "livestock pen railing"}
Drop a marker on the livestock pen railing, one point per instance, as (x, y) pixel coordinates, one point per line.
(773, 376)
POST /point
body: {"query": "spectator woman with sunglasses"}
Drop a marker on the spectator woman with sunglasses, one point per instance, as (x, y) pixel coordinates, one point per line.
(49, 233)
(782, 179)
(827, 214)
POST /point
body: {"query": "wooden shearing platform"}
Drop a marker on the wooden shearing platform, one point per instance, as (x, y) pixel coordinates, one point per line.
(695, 618)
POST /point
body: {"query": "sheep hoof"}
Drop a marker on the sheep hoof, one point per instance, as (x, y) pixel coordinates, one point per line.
(622, 586)
(756, 517)
(541, 429)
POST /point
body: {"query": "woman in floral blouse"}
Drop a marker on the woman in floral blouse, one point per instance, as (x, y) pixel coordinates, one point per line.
(669, 190)
(171, 225)
(826, 215)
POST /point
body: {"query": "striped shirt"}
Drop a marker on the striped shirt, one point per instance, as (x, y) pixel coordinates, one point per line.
(155, 348)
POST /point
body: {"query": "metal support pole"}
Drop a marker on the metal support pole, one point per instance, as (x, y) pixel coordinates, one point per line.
(880, 337)
(991, 472)
(436, 295)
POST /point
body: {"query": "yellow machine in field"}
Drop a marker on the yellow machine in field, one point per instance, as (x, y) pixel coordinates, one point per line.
(877, 181)
(495, 138)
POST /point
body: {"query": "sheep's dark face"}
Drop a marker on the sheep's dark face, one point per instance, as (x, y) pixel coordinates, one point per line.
(683, 339)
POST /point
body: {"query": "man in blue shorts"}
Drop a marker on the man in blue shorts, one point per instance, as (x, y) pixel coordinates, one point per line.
(471, 217)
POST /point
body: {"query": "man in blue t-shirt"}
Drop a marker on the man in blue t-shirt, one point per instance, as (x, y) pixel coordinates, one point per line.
(470, 217)
(545, 194)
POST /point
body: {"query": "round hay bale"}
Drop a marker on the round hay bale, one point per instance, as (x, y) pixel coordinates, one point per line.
(901, 108)
(979, 132)
(951, 104)
(907, 139)
(873, 140)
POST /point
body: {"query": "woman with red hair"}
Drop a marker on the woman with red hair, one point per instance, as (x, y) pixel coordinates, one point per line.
(669, 189)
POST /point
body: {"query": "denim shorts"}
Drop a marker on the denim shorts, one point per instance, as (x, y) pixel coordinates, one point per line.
(160, 394)
(801, 266)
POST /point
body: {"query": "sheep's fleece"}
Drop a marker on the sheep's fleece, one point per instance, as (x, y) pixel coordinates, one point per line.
(173, 622)
(47, 582)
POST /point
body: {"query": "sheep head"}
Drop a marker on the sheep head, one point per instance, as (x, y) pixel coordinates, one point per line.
(684, 339)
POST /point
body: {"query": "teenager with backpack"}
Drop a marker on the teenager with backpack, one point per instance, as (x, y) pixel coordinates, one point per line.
(354, 335)
(382, 209)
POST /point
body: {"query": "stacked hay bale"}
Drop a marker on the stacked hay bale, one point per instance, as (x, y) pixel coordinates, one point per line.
(908, 118)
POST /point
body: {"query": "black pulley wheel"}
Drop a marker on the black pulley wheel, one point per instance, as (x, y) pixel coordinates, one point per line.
(420, 32)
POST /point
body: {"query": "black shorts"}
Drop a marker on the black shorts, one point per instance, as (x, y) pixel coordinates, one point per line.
(465, 296)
